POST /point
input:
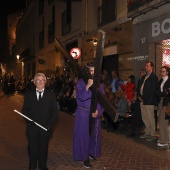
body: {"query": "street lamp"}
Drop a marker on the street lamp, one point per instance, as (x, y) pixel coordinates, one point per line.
(20, 67)
(95, 42)
(17, 57)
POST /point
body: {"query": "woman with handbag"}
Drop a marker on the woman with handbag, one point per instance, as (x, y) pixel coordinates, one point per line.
(163, 100)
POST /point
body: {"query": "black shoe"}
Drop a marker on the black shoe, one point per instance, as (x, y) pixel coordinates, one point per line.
(131, 135)
(92, 157)
(110, 130)
(30, 168)
(43, 168)
(87, 164)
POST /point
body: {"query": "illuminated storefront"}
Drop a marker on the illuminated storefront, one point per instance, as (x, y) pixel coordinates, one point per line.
(151, 39)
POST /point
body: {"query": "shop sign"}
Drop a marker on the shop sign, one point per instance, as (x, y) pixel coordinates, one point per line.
(163, 27)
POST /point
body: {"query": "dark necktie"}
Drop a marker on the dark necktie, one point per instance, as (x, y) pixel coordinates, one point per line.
(39, 97)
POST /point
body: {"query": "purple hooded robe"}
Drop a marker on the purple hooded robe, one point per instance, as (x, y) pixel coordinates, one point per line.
(84, 144)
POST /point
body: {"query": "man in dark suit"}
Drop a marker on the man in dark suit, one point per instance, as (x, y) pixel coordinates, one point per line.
(149, 84)
(40, 106)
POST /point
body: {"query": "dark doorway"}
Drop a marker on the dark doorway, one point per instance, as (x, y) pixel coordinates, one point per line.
(110, 63)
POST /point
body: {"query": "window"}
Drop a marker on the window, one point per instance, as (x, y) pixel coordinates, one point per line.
(107, 12)
(41, 7)
(51, 27)
(41, 39)
(66, 22)
(50, 1)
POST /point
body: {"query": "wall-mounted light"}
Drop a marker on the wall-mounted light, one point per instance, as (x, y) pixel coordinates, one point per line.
(92, 40)
(95, 42)
(17, 57)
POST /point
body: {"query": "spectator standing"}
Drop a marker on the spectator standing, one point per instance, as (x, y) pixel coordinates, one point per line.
(163, 100)
(149, 84)
(115, 81)
(84, 145)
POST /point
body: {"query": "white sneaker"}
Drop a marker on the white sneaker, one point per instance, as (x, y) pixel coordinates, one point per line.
(162, 144)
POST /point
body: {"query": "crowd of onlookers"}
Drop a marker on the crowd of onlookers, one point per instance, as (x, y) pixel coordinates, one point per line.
(139, 105)
(63, 86)
(136, 102)
(122, 94)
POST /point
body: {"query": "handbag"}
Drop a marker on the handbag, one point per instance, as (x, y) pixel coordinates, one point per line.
(167, 109)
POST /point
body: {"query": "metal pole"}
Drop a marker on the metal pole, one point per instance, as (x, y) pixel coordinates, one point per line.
(30, 120)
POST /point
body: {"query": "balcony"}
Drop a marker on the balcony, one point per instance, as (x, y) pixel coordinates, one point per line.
(139, 7)
(107, 13)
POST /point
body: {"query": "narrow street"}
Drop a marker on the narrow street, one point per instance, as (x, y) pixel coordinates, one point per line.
(118, 151)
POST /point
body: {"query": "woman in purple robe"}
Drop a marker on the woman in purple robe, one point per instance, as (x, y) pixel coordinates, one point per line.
(84, 145)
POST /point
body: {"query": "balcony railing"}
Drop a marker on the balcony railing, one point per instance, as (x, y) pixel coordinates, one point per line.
(139, 7)
(107, 13)
(134, 4)
(66, 22)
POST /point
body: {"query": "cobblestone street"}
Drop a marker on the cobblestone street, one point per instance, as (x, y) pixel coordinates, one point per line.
(118, 151)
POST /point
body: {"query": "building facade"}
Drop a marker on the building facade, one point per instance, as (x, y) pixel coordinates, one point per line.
(14, 66)
(151, 33)
(111, 17)
(75, 23)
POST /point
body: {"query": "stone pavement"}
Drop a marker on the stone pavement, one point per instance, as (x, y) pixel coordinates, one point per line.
(118, 152)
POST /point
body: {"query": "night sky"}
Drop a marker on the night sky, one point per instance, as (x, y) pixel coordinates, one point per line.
(7, 7)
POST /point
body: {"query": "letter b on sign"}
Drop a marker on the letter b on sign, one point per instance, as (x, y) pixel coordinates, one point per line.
(157, 28)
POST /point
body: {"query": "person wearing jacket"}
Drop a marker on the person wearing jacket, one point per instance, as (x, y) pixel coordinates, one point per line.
(147, 97)
(163, 100)
(115, 84)
(129, 88)
(39, 105)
